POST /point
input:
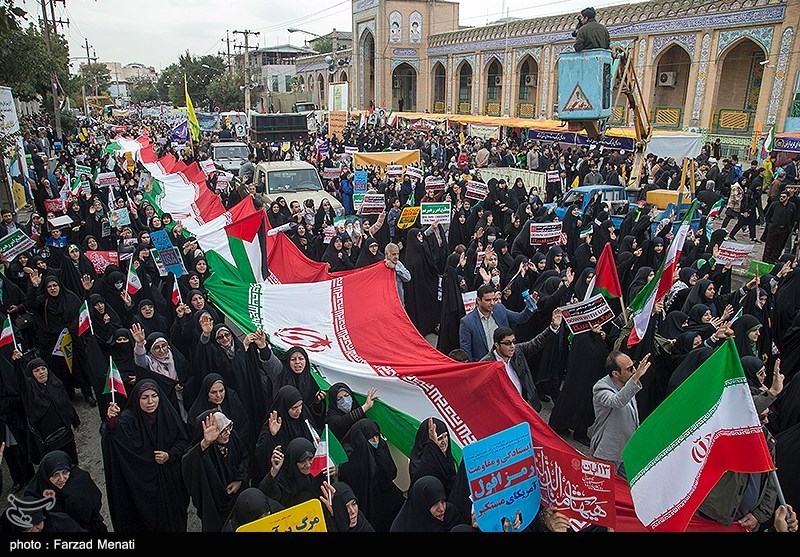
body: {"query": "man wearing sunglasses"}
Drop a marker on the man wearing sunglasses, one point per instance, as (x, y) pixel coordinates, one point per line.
(515, 357)
(615, 410)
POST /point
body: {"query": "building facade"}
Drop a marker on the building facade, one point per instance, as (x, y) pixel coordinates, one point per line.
(721, 67)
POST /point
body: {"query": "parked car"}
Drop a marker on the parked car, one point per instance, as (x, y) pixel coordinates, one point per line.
(292, 180)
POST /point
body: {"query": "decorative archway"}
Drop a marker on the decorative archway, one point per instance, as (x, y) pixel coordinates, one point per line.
(738, 87)
(494, 88)
(367, 68)
(301, 83)
(671, 86)
(527, 87)
(439, 84)
(404, 88)
(465, 88)
(342, 77)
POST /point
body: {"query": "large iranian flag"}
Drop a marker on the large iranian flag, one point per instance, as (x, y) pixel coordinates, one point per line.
(641, 307)
(706, 427)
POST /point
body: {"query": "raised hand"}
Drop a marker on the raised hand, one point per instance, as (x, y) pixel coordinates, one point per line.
(260, 338)
(210, 431)
(327, 496)
(87, 282)
(113, 410)
(137, 332)
(276, 460)
(36, 278)
(206, 324)
(274, 423)
(556, 318)
(371, 397)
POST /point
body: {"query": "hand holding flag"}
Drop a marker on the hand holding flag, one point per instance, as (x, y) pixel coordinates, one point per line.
(114, 382)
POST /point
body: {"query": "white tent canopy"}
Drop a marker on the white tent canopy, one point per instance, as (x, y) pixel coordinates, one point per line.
(677, 145)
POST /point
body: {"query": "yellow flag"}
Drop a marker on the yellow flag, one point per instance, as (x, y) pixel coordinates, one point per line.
(194, 126)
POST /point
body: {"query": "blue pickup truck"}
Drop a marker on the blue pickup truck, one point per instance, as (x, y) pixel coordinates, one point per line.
(617, 204)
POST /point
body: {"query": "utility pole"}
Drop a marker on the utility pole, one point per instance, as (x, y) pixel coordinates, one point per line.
(247, 78)
(53, 78)
(83, 85)
(228, 64)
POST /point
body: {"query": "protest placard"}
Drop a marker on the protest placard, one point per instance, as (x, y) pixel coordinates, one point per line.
(394, 170)
(734, 253)
(358, 201)
(120, 217)
(408, 217)
(11, 245)
(329, 232)
(503, 483)
(167, 253)
(86, 188)
(54, 205)
(105, 179)
(350, 150)
(477, 190)
(350, 225)
(414, 171)
(223, 180)
(581, 488)
(545, 233)
(82, 169)
(329, 173)
(435, 213)
(373, 203)
(207, 166)
(469, 299)
(144, 181)
(581, 316)
(61, 221)
(305, 517)
(360, 181)
(102, 259)
(552, 176)
(434, 184)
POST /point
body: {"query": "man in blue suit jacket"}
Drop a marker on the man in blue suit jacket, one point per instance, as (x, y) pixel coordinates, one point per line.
(478, 326)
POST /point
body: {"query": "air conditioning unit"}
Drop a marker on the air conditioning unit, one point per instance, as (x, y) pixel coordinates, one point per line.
(666, 79)
(529, 80)
(498, 80)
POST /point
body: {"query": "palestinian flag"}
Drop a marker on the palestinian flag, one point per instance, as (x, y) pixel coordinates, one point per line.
(133, 284)
(706, 427)
(716, 209)
(114, 382)
(7, 336)
(767, 146)
(84, 322)
(642, 305)
(606, 279)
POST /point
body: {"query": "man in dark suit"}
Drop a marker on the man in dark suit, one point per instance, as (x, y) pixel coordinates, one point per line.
(515, 357)
(8, 224)
(476, 331)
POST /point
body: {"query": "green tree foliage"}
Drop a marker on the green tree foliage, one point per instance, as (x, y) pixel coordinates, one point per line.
(97, 78)
(25, 64)
(224, 92)
(199, 72)
(143, 90)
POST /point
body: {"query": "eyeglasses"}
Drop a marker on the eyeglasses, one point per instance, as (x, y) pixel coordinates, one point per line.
(160, 347)
(508, 342)
(223, 335)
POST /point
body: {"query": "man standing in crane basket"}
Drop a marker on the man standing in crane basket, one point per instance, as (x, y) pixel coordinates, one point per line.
(590, 34)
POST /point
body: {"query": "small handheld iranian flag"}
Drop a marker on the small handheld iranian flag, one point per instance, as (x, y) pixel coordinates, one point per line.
(114, 382)
(642, 305)
(391, 118)
(75, 188)
(7, 336)
(322, 460)
(716, 209)
(84, 322)
(706, 427)
(176, 293)
(134, 284)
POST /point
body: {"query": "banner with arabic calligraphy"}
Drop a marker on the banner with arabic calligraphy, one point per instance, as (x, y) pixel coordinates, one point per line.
(502, 478)
(305, 517)
(579, 487)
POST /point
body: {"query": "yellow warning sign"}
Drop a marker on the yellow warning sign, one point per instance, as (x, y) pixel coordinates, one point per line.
(577, 100)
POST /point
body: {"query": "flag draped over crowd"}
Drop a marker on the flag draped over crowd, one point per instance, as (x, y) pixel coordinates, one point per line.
(296, 301)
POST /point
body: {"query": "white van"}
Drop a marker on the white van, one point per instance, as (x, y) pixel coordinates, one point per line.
(292, 180)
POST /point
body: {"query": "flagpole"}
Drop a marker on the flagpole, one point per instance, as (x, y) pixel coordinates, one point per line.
(91, 328)
(111, 379)
(774, 475)
(327, 453)
(14, 338)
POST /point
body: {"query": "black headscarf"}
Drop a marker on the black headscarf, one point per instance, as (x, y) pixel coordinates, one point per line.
(37, 398)
(427, 459)
(452, 308)
(639, 282)
(344, 494)
(339, 421)
(741, 329)
(421, 293)
(156, 324)
(251, 504)
(231, 406)
(696, 323)
(291, 487)
(143, 495)
(751, 366)
(371, 472)
(103, 331)
(580, 286)
(415, 514)
(457, 233)
(672, 327)
(105, 287)
(80, 497)
(365, 257)
(689, 365)
(303, 382)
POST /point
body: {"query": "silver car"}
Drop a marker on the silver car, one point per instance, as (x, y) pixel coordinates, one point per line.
(294, 181)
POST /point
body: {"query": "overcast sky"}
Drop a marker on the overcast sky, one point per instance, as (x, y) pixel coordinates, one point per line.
(156, 32)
